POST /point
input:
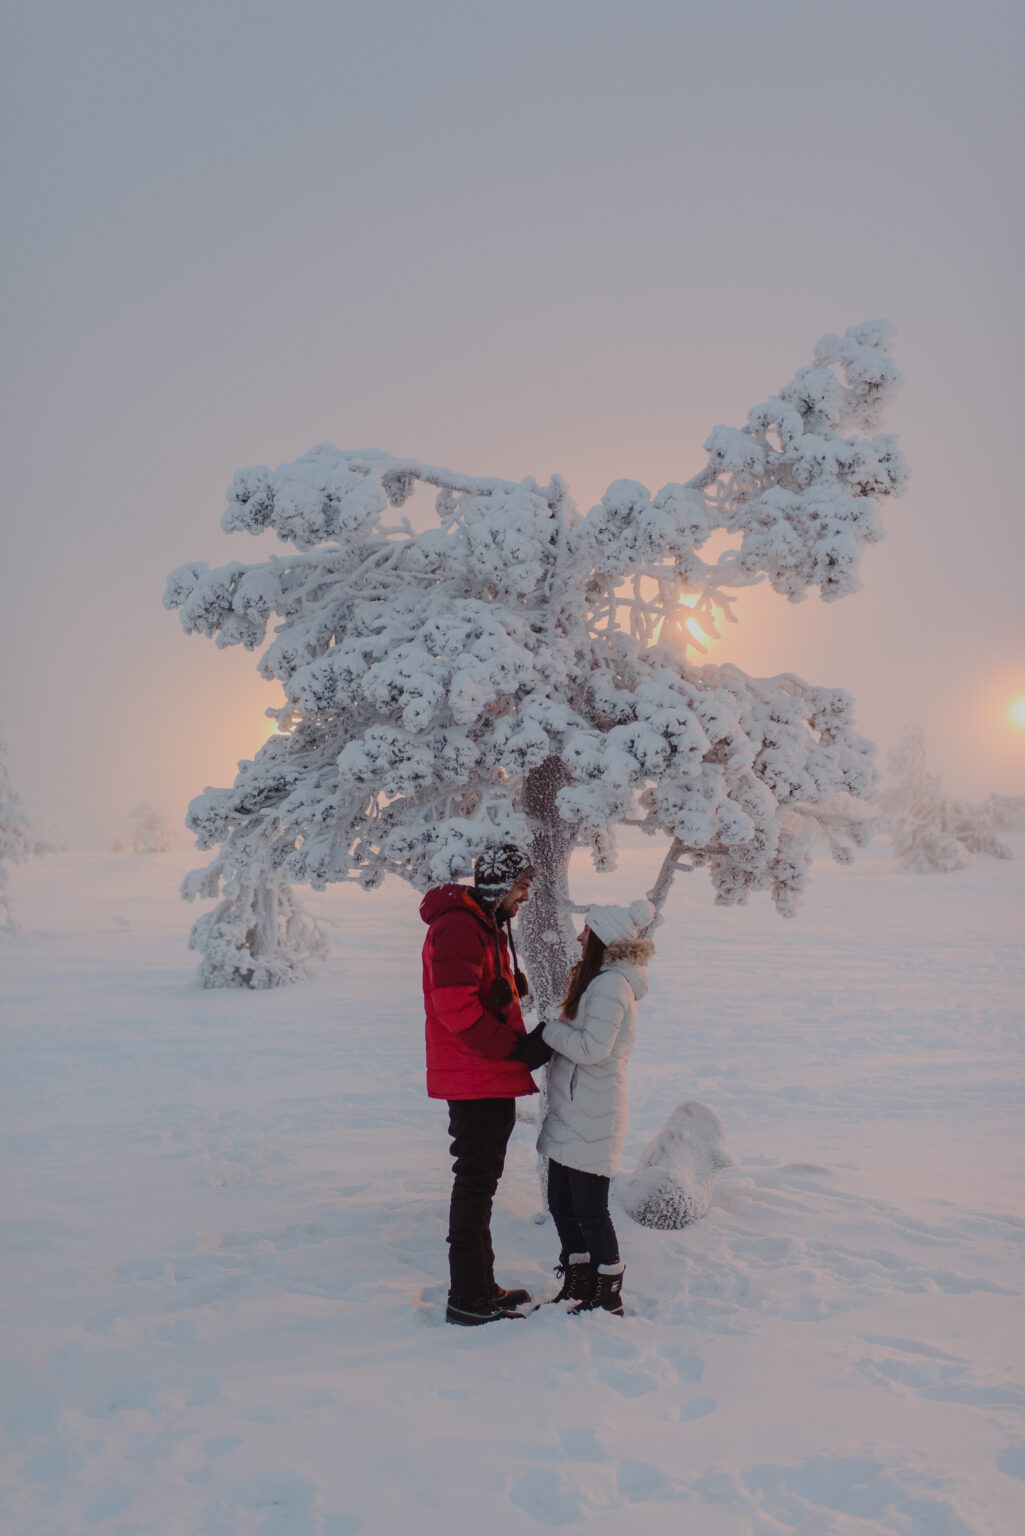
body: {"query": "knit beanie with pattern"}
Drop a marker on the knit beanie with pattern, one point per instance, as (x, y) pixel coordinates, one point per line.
(497, 871)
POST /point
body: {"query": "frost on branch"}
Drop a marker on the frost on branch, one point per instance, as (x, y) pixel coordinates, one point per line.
(930, 832)
(16, 841)
(520, 671)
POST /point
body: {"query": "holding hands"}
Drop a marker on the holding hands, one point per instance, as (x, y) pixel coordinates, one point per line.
(531, 1049)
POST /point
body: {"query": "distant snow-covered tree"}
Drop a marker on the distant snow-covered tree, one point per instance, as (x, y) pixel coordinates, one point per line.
(930, 832)
(521, 671)
(16, 840)
(1008, 811)
(151, 828)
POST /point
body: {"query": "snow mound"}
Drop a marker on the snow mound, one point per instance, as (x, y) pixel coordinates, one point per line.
(672, 1185)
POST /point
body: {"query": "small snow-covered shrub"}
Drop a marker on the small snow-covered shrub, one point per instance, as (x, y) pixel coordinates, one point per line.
(672, 1184)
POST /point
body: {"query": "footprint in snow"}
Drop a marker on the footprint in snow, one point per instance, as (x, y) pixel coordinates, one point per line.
(931, 1374)
(856, 1486)
(688, 1367)
(113, 1499)
(53, 1468)
(628, 1381)
(581, 1445)
(540, 1494)
(121, 1397)
(613, 1348)
(284, 1501)
(1011, 1462)
(638, 1481)
(765, 1252)
(205, 1391)
(911, 1347)
(179, 1335)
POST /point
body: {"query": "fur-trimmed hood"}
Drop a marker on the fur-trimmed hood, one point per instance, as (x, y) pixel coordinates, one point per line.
(630, 958)
(636, 951)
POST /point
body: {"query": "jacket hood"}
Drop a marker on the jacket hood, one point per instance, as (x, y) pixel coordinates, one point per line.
(452, 898)
(630, 957)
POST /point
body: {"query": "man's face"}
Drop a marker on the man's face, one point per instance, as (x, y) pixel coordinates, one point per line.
(514, 898)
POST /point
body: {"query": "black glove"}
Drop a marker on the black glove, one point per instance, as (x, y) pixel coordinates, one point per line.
(531, 1049)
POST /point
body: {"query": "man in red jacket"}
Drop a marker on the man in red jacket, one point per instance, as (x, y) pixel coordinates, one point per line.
(478, 1058)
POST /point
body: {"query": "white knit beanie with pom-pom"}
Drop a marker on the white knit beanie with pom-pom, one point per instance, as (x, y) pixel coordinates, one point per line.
(612, 923)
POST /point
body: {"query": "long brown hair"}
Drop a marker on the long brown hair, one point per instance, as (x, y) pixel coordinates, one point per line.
(582, 974)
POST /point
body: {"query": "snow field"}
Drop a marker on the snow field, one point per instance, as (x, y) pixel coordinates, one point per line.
(225, 1215)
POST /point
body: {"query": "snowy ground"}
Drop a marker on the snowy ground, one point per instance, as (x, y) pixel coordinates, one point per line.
(224, 1233)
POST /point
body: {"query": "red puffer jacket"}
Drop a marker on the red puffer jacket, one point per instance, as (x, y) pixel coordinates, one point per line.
(468, 1044)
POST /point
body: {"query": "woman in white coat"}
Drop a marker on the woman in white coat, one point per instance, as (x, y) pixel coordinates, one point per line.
(582, 1133)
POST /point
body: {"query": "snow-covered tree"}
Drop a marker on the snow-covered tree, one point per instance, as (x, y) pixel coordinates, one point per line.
(258, 934)
(930, 832)
(16, 840)
(524, 672)
(1008, 811)
(151, 828)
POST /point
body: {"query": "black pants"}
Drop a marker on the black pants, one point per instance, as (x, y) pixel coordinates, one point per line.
(579, 1203)
(480, 1131)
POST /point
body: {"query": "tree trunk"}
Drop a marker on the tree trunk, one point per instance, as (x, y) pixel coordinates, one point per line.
(546, 922)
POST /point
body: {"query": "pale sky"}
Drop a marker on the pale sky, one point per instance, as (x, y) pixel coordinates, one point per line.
(564, 236)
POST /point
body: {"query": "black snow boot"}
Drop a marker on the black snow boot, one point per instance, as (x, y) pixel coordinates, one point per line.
(579, 1277)
(607, 1295)
(471, 1313)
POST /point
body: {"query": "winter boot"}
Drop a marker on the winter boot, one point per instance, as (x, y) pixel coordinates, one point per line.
(498, 1293)
(579, 1277)
(504, 1298)
(471, 1313)
(606, 1296)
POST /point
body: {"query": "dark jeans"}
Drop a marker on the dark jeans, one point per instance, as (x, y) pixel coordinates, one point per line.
(579, 1203)
(480, 1131)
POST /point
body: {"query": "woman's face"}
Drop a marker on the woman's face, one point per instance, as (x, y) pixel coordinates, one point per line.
(583, 937)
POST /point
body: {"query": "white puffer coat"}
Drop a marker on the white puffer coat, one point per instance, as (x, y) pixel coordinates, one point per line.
(586, 1120)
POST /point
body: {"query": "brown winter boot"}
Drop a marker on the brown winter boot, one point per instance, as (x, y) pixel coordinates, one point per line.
(579, 1277)
(606, 1296)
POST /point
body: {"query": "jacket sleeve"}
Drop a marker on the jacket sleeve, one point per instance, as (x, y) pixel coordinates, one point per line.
(457, 969)
(592, 1036)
